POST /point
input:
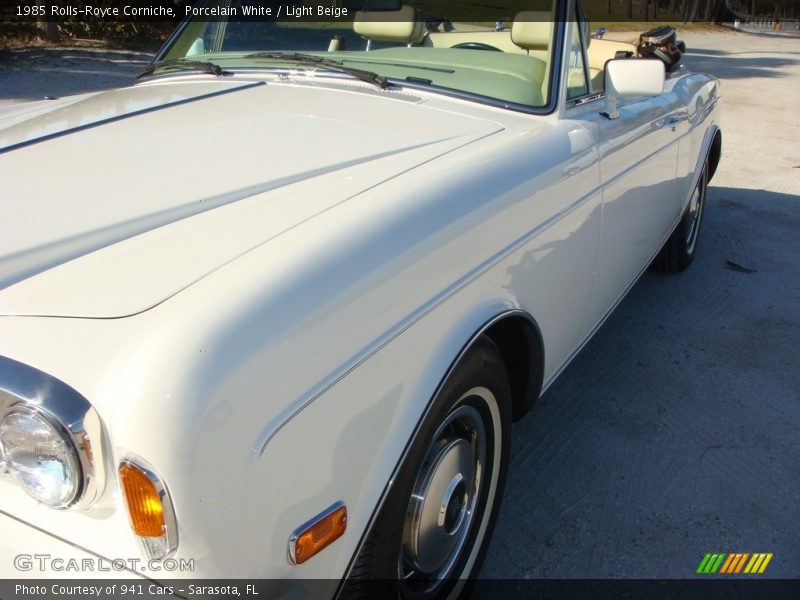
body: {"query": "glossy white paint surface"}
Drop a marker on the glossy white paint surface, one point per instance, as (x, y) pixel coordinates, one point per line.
(297, 269)
(165, 213)
(27, 553)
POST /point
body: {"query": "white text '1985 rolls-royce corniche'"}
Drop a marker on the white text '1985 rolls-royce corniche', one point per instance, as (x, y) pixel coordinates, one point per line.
(272, 310)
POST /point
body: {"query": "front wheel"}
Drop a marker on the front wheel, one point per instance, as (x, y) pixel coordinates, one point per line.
(680, 249)
(433, 529)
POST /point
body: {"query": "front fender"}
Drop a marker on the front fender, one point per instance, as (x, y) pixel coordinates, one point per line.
(346, 444)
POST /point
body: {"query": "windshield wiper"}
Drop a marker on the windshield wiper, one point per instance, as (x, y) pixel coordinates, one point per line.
(326, 63)
(184, 65)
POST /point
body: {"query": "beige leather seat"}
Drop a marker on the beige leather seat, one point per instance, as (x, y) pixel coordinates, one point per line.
(405, 27)
(533, 32)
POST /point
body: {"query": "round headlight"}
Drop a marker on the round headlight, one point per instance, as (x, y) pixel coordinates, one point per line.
(42, 456)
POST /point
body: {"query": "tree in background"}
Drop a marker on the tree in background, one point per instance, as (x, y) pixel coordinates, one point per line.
(696, 10)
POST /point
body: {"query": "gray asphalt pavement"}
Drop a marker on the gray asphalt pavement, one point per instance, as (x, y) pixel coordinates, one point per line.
(675, 432)
(33, 73)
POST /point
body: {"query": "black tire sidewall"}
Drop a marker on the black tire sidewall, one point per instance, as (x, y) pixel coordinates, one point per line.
(687, 254)
(676, 254)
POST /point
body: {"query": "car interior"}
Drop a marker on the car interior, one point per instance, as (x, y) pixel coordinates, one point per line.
(528, 40)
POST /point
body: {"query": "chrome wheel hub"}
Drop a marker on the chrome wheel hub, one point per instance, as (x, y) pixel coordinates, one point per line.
(442, 506)
(454, 504)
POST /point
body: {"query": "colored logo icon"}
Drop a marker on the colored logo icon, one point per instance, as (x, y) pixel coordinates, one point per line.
(735, 562)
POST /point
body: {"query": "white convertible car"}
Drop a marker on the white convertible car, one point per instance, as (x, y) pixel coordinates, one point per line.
(270, 312)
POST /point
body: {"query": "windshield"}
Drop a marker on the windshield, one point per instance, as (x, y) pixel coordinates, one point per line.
(507, 61)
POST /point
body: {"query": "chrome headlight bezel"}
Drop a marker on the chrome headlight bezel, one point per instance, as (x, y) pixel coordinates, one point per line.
(28, 390)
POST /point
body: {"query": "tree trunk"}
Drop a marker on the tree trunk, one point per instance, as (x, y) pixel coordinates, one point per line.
(695, 8)
(630, 9)
(707, 11)
(716, 10)
(692, 7)
(47, 29)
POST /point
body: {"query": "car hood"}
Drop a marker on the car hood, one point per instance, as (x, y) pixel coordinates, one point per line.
(112, 202)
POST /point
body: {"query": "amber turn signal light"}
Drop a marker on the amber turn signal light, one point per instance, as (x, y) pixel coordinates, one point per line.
(145, 510)
(319, 533)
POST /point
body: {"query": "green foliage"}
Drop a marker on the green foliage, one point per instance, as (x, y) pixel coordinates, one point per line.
(115, 30)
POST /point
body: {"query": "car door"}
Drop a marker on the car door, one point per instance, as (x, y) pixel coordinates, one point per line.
(638, 161)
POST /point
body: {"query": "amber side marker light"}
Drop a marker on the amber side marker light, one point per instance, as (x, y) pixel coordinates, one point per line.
(150, 511)
(141, 497)
(318, 533)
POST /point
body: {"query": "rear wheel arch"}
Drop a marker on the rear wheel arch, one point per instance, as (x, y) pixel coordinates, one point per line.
(714, 154)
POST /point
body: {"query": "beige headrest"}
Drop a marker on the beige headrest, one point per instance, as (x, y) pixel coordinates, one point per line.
(532, 29)
(403, 26)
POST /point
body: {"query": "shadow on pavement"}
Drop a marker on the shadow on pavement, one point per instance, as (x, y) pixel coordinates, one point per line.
(726, 65)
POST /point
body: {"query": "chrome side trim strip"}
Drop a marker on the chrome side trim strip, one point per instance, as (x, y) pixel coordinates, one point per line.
(311, 395)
